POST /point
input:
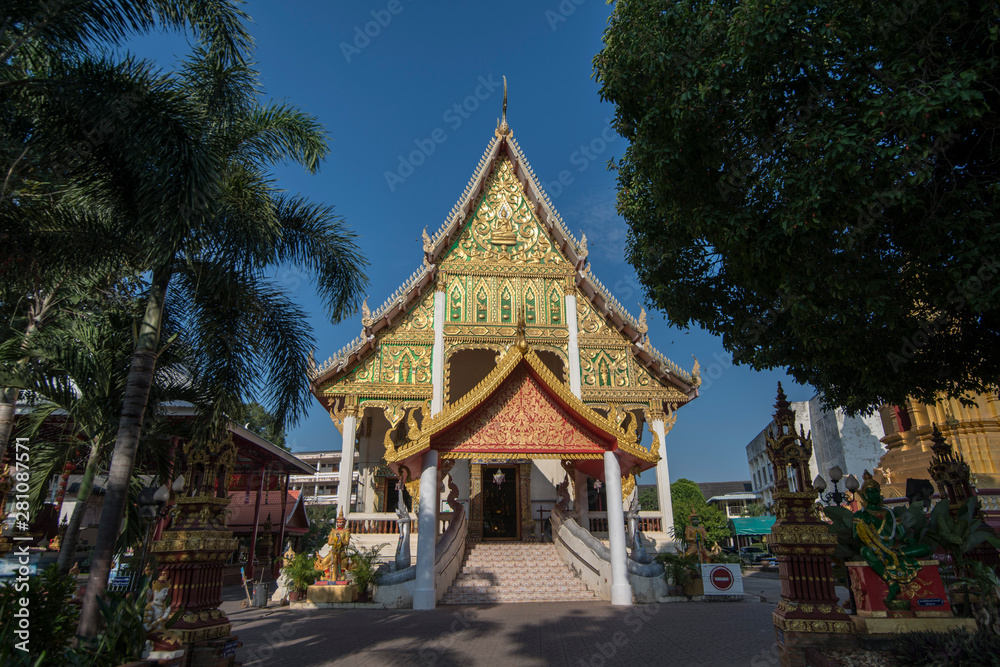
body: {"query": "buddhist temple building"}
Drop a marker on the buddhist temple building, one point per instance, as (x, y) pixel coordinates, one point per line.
(506, 366)
(973, 432)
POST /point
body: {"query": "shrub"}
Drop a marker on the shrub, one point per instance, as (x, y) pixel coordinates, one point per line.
(51, 613)
(945, 649)
(365, 566)
(302, 573)
(678, 569)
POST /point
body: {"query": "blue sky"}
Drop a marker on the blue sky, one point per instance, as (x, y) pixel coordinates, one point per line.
(387, 77)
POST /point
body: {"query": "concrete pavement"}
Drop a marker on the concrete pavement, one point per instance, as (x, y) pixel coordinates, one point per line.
(551, 633)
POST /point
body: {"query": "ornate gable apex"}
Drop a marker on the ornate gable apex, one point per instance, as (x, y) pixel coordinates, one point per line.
(437, 246)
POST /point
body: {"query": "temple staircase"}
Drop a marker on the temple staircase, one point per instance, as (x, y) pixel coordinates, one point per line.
(499, 572)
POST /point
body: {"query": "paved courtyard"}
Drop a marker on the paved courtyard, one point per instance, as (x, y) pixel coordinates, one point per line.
(551, 633)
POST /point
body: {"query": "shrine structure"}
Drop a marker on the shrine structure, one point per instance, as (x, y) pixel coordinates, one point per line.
(504, 363)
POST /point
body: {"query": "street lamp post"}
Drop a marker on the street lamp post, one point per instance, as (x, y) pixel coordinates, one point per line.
(836, 496)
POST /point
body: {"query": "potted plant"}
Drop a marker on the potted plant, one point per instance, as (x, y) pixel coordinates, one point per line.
(365, 568)
(679, 570)
(301, 575)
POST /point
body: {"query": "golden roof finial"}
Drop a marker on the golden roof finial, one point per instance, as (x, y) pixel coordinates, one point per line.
(366, 314)
(503, 129)
(428, 245)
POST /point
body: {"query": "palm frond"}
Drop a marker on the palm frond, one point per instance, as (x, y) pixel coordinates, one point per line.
(316, 238)
(251, 339)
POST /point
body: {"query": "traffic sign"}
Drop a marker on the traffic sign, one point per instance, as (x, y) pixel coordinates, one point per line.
(722, 579)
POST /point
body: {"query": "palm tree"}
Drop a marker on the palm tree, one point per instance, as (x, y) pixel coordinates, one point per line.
(81, 381)
(208, 266)
(58, 146)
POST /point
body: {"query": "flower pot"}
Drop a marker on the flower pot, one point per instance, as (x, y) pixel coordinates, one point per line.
(676, 591)
(295, 596)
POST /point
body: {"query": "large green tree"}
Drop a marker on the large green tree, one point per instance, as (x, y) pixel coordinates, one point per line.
(816, 182)
(257, 419)
(687, 499)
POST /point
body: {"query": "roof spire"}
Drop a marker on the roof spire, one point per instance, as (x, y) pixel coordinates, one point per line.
(503, 129)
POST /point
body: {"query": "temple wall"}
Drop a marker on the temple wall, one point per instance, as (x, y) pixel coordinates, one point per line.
(545, 474)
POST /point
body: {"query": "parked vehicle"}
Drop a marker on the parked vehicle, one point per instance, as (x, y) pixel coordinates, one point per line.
(754, 555)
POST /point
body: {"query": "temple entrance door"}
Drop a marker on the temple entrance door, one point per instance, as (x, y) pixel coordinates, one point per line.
(500, 503)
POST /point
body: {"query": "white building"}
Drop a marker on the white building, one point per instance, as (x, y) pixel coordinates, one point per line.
(321, 487)
(853, 443)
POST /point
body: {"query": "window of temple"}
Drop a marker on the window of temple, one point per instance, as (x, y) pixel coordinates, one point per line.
(902, 418)
(554, 363)
(466, 369)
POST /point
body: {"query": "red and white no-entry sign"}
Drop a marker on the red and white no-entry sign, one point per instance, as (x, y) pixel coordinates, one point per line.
(722, 579)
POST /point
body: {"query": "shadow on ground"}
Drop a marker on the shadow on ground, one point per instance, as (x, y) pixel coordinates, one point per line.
(551, 633)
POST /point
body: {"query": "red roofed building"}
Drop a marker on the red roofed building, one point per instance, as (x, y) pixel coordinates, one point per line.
(273, 505)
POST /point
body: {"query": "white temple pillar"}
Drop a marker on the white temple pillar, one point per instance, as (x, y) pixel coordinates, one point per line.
(424, 596)
(621, 589)
(346, 471)
(658, 428)
(437, 356)
(580, 504)
(574, 341)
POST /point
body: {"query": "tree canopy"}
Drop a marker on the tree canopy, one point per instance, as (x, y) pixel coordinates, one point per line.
(648, 500)
(817, 184)
(686, 499)
(257, 419)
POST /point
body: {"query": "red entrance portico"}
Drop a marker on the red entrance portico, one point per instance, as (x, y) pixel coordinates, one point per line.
(518, 414)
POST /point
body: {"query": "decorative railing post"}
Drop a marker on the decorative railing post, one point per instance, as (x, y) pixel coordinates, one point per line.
(192, 554)
(809, 613)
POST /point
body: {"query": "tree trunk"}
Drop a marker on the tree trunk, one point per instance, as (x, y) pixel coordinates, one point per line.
(140, 379)
(67, 551)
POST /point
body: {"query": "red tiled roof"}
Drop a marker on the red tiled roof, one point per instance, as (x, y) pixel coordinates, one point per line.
(241, 507)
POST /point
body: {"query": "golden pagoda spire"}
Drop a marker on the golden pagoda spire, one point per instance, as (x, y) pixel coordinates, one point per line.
(503, 129)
